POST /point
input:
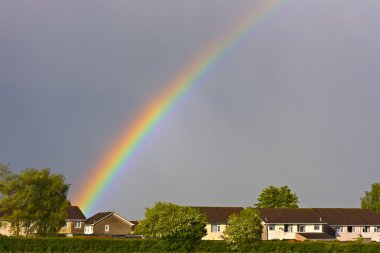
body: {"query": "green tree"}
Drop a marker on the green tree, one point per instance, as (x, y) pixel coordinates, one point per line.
(35, 202)
(277, 197)
(5, 172)
(371, 199)
(244, 228)
(174, 226)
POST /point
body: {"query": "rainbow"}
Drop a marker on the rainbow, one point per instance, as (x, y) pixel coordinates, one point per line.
(116, 159)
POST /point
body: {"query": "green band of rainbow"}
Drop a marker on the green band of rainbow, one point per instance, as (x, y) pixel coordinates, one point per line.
(117, 157)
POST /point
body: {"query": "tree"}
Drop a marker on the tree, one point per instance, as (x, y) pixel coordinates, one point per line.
(34, 201)
(371, 199)
(244, 228)
(5, 172)
(277, 197)
(175, 226)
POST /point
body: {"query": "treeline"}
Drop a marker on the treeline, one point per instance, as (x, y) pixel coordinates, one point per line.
(95, 245)
(33, 201)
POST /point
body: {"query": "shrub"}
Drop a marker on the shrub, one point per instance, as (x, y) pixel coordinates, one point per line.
(97, 245)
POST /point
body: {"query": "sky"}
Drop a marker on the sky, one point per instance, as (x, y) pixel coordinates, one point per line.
(295, 103)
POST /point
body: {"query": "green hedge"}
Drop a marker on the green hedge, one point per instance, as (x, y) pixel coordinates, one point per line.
(94, 245)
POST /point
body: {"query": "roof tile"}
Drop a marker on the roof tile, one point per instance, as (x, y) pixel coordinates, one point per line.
(348, 216)
(219, 214)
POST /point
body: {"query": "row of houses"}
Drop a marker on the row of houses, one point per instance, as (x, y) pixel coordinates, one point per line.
(100, 224)
(343, 224)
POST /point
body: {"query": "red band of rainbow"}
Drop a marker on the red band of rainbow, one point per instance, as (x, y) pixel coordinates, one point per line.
(116, 159)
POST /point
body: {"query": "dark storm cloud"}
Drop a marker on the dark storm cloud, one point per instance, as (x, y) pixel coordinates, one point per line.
(295, 104)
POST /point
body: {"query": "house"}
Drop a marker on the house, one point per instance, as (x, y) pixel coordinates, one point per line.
(343, 224)
(108, 224)
(22, 228)
(348, 224)
(74, 222)
(4, 226)
(217, 220)
(293, 224)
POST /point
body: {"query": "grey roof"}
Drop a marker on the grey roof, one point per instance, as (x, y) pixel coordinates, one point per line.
(97, 217)
(317, 236)
(74, 213)
(290, 216)
(331, 216)
(348, 216)
(103, 215)
(219, 214)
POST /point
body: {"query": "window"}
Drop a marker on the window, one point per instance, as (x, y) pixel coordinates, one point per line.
(301, 228)
(340, 229)
(288, 228)
(77, 224)
(365, 229)
(350, 229)
(317, 227)
(376, 229)
(106, 228)
(88, 229)
(215, 228)
(272, 227)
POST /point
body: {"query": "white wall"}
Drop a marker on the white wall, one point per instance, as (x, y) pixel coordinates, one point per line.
(279, 231)
(357, 233)
(215, 235)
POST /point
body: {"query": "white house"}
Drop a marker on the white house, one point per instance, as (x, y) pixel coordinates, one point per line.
(349, 224)
(293, 224)
(343, 224)
(217, 220)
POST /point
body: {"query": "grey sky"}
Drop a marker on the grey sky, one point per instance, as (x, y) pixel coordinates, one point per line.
(295, 104)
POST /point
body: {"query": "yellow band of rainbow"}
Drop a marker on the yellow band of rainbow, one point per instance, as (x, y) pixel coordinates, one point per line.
(116, 158)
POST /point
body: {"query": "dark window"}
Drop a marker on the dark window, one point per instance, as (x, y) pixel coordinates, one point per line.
(365, 229)
(288, 228)
(215, 228)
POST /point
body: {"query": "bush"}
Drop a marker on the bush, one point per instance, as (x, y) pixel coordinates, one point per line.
(211, 246)
(95, 245)
(176, 228)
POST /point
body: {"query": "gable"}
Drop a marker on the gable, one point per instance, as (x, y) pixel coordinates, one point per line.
(106, 216)
(97, 217)
(114, 219)
(74, 213)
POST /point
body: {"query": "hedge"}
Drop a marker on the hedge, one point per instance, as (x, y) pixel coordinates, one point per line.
(94, 245)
